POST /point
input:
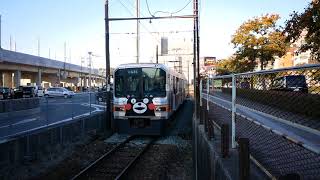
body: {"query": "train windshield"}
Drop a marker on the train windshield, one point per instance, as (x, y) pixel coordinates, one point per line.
(140, 82)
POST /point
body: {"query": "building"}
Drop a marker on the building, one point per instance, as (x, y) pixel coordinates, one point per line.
(177, 52)
(292, 58)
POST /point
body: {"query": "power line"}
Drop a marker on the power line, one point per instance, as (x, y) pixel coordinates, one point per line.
(132, 6)
(154, 32)
(166, 12)
(139, 21)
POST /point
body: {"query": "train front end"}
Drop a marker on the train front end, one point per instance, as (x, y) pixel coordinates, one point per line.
(140, 104)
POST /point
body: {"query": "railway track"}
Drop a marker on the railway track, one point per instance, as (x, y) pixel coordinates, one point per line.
(115, 163)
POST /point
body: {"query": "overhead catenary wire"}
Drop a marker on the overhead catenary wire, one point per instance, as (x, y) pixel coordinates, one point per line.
(166, 12)
(139, 21)
(154, 32)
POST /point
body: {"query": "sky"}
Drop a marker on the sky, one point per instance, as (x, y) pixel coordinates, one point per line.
(80, 25)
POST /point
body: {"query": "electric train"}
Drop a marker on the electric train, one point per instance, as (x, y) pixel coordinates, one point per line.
(145, 96)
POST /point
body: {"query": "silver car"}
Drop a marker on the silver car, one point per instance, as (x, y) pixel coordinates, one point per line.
(58, 92)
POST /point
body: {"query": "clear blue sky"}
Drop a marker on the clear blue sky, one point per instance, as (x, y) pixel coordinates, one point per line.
(81, 24)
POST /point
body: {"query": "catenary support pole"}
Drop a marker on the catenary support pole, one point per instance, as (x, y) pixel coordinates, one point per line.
(108, 72)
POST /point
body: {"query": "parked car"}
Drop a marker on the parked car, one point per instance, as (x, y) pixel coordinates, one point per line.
(5, 93)
(29, 91)
(290, 83)
(39, 91)
(18, 92)
(58, 92)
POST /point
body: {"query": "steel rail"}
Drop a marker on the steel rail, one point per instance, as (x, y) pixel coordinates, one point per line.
(96, 162)
(125, 170)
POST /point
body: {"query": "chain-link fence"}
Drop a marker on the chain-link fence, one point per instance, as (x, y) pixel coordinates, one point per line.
(278, 111)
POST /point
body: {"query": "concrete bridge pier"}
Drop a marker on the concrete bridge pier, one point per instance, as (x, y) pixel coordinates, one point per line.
(39, 77)
(6, 79)
(17, 78)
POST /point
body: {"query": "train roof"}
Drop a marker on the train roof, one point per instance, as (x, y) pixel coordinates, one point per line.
(155, 65)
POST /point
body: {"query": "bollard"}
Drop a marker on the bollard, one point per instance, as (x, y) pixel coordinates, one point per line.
(244, 159)
(211, 129)
(201, 114)
(205, 119)
(225, 140)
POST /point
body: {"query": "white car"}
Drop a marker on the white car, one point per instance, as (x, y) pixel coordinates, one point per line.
(39, 91)
(58, 91)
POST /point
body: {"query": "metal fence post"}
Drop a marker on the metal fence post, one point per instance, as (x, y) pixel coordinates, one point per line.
(233, 113)
(211, 126)
(47, 113)
(201, 110)
(225, 140)
(244, 159)
(207, 108)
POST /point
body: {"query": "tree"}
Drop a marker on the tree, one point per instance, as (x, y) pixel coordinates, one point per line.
(308, 21)
(259, 39)
(234, 65)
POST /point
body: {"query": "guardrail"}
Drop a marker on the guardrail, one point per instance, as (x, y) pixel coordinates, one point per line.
(277, 110)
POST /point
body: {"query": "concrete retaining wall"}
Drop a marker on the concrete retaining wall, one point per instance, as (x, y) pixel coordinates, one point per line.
(34, 145)
(209, 161)
(11, 105)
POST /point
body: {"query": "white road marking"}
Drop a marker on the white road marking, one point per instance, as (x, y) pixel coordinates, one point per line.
(6, 126)
(25, 121)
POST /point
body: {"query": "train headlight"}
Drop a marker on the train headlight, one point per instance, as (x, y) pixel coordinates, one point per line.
(118, 108)
(161, 108)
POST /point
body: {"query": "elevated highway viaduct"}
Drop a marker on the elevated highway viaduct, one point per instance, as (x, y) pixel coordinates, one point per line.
(22, 69)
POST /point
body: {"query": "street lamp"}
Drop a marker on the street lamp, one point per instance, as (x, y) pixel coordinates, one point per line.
(81, 75)
(90, 57)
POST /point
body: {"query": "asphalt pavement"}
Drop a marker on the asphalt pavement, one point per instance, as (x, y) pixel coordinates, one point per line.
(51, 111)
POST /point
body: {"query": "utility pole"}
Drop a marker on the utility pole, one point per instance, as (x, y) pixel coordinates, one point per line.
(138, 28)
(188, 78)
(10, 43)
(196, 81)
(65, 57)
(196, 56)
(90, 58)
(38, 46)
(0, 32)
(108, 99)
(81, 85)
(157, 55)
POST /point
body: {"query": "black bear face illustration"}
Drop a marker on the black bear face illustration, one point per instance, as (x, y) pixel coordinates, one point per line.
(140, 107)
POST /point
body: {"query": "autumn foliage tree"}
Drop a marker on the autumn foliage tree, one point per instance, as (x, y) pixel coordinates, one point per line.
(259, 39)
(234, 65)
(309, 21)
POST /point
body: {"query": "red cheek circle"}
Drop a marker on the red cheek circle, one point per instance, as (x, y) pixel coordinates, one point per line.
(128, 106)
(151, 106)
